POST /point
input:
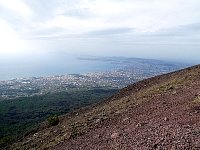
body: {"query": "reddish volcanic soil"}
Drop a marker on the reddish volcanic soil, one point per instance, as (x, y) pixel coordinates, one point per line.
(165, 121)
(160, 113)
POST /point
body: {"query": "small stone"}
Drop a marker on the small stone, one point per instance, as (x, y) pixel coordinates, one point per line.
(96, 136)
(126, 119)
(98, 120)
(174, 92)
(115, 135)
(36, 134)
(166, 119)
(138, 125)
(141, 124)
(117, 112)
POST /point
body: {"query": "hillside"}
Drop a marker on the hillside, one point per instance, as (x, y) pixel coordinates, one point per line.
(157, 113)
(21, 115)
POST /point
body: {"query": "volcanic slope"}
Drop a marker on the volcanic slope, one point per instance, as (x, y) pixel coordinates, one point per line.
(162, 112)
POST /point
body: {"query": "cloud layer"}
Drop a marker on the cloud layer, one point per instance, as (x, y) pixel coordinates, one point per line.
(88, 26)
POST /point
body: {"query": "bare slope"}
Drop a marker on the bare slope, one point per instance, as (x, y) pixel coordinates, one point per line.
(158, 113)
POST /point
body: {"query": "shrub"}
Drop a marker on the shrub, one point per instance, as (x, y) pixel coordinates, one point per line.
(53, 120)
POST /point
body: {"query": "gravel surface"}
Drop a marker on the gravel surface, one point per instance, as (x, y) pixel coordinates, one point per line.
(165, 121)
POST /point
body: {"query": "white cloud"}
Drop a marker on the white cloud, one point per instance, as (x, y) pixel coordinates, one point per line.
(142, 15)
(18, 6)
(146, 15)
(106, 22)
(89, 15)
(10, 42)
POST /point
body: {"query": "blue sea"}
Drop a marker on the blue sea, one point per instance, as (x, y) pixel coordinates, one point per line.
(48, 65)
(62, 64)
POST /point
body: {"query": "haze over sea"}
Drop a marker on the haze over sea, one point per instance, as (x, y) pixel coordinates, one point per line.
(48, 66)
(62, 64)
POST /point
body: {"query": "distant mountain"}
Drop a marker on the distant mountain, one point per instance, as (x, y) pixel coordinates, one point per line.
(157, 113)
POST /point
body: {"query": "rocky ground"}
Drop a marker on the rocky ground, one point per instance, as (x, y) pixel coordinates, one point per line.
(160, 113)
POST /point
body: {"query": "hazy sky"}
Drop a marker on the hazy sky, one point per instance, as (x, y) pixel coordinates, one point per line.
(164, 29)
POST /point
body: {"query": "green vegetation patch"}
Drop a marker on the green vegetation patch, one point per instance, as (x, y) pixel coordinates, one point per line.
(53, 120)
(197, 99)
(21, 115)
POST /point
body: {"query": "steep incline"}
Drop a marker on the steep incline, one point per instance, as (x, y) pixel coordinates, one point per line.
(158, 113)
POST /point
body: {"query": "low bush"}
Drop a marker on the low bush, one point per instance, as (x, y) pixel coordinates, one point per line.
(53, 120)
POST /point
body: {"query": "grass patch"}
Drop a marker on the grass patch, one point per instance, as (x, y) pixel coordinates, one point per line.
(53, 120)
(197, 99)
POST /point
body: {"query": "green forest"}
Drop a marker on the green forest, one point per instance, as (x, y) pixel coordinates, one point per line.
(21, 115)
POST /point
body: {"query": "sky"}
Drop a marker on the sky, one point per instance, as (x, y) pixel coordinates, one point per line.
(159, 29)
